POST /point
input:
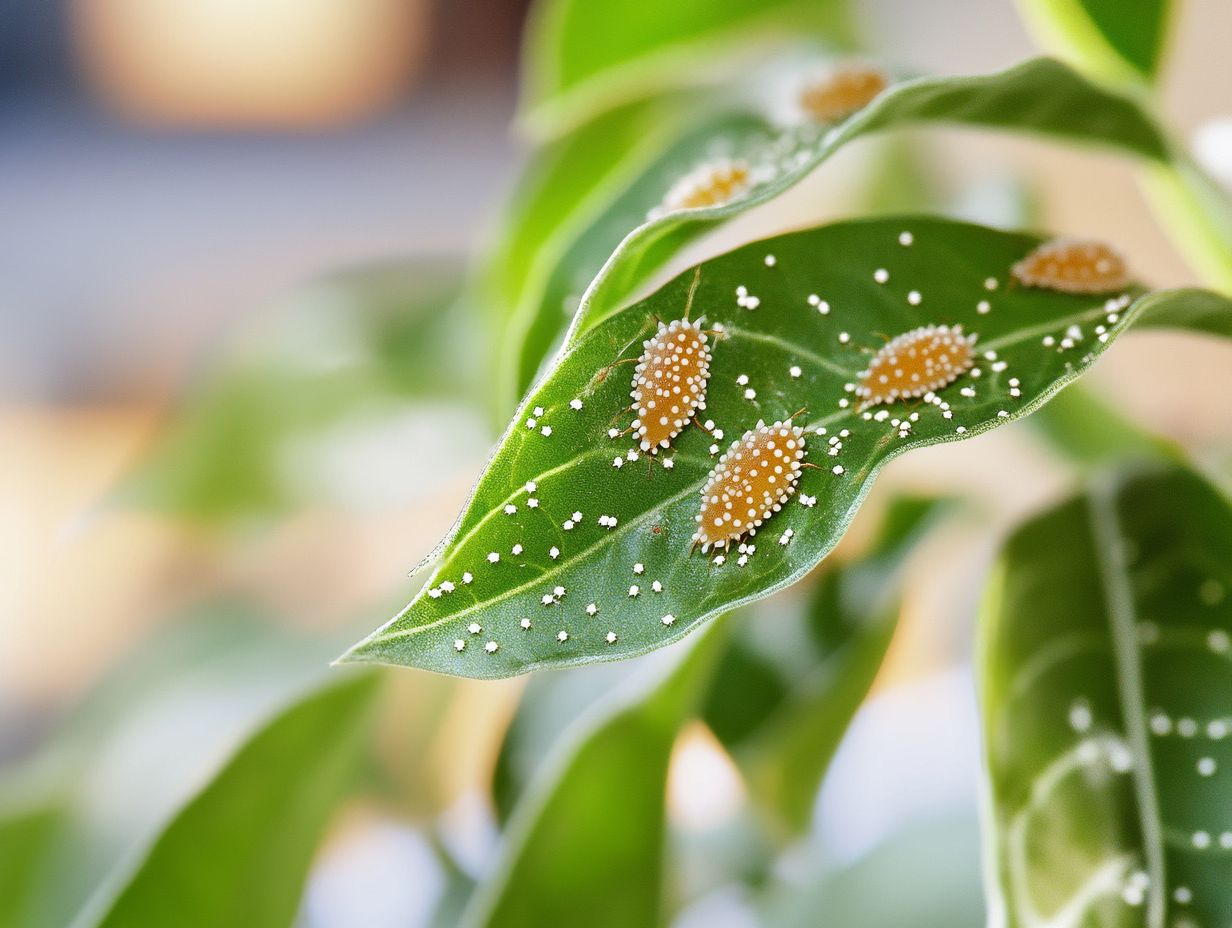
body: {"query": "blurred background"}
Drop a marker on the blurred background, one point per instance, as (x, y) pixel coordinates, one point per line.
(187, 184)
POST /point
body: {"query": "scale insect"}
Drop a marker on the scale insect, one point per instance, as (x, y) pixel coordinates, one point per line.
(841, 91)
(915, 363)
(711, 184)
(670, 379)
(750, 483)
(1073, 266)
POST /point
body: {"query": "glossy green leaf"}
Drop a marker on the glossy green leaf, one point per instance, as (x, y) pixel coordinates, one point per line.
(621, 243)
(586, 843)
(790, 682)
(1107, 702)
(260, 436)
(519, 555)
(238, 853)
(582, 58)
(1114, 39)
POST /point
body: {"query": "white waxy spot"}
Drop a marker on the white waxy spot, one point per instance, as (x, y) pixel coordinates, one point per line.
(808, 501)
(610, 637)
(750, 394)
(668, 619)
(983, 307)
(532, 503)
(905, 238)
(467, 577)
(1217, 729)
(914, 298)
(634, 590)
(990, 283)
(795, 371)
(1186, 728)
(525, 623)
(516, 549)
(771, 260)
(837, 470)
(592, 609)
(1206, 766)
(881, 275)
(1183, 895)
(575, 404)
(1218, 641)
(562, 635)
(1201, 840)
(474, 628)
(493, 557)
(554, 552)
(639, 568)
(546, 430)
(656, 586)
(459, 644)
(1160, 724)
(510, 509)
(1080, 716)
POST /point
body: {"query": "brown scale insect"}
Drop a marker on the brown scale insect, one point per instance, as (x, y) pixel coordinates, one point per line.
(1073, 266)
(711, 184)
(750, 483)
(915, 363)
(669, 382)
(841, 92)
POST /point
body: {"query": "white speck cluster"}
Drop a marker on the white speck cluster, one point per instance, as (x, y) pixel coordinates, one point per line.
(669, 383)
(915, 363)
(750, 483)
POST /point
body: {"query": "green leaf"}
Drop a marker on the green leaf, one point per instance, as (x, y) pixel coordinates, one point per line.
(791, 680)
(616, 244)
(1115, 40)
(586, 843)
(572, 468)
(1107, 695)
(582, 58)
(238, 853)
(1197, 213)
(27, 832)
(260, 436)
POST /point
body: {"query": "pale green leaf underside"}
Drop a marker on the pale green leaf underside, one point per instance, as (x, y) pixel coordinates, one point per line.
(1040, 96)
(1107, 697)
(949, 264)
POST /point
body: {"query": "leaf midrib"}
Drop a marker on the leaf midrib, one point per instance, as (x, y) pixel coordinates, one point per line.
(1121, 613)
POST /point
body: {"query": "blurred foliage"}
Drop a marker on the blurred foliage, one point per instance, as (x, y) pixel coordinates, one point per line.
(791, 680)
(1107, 697)
(368, 343)
(582, 59)
(239, 852)
(605, 779)
(1117, 40)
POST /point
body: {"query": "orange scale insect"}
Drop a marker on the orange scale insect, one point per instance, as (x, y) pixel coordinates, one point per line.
(711, 184)
(751, 482)
(839, 93)
(669, 382)
(915, 363)
(1073, 266)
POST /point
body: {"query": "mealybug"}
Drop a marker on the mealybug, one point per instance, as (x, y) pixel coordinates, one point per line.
(750, 483)
(711, 184)
(669, 382)
(841, 91)
(1073, 267)
(915, 363)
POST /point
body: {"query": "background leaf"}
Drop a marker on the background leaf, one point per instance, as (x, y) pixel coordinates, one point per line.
(475, 628)
(238, 853)
(1107, 698)
(790, 682)
(583, 58)
(618, 246)
(347, 350)
(1114, 39)
(586, 845)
